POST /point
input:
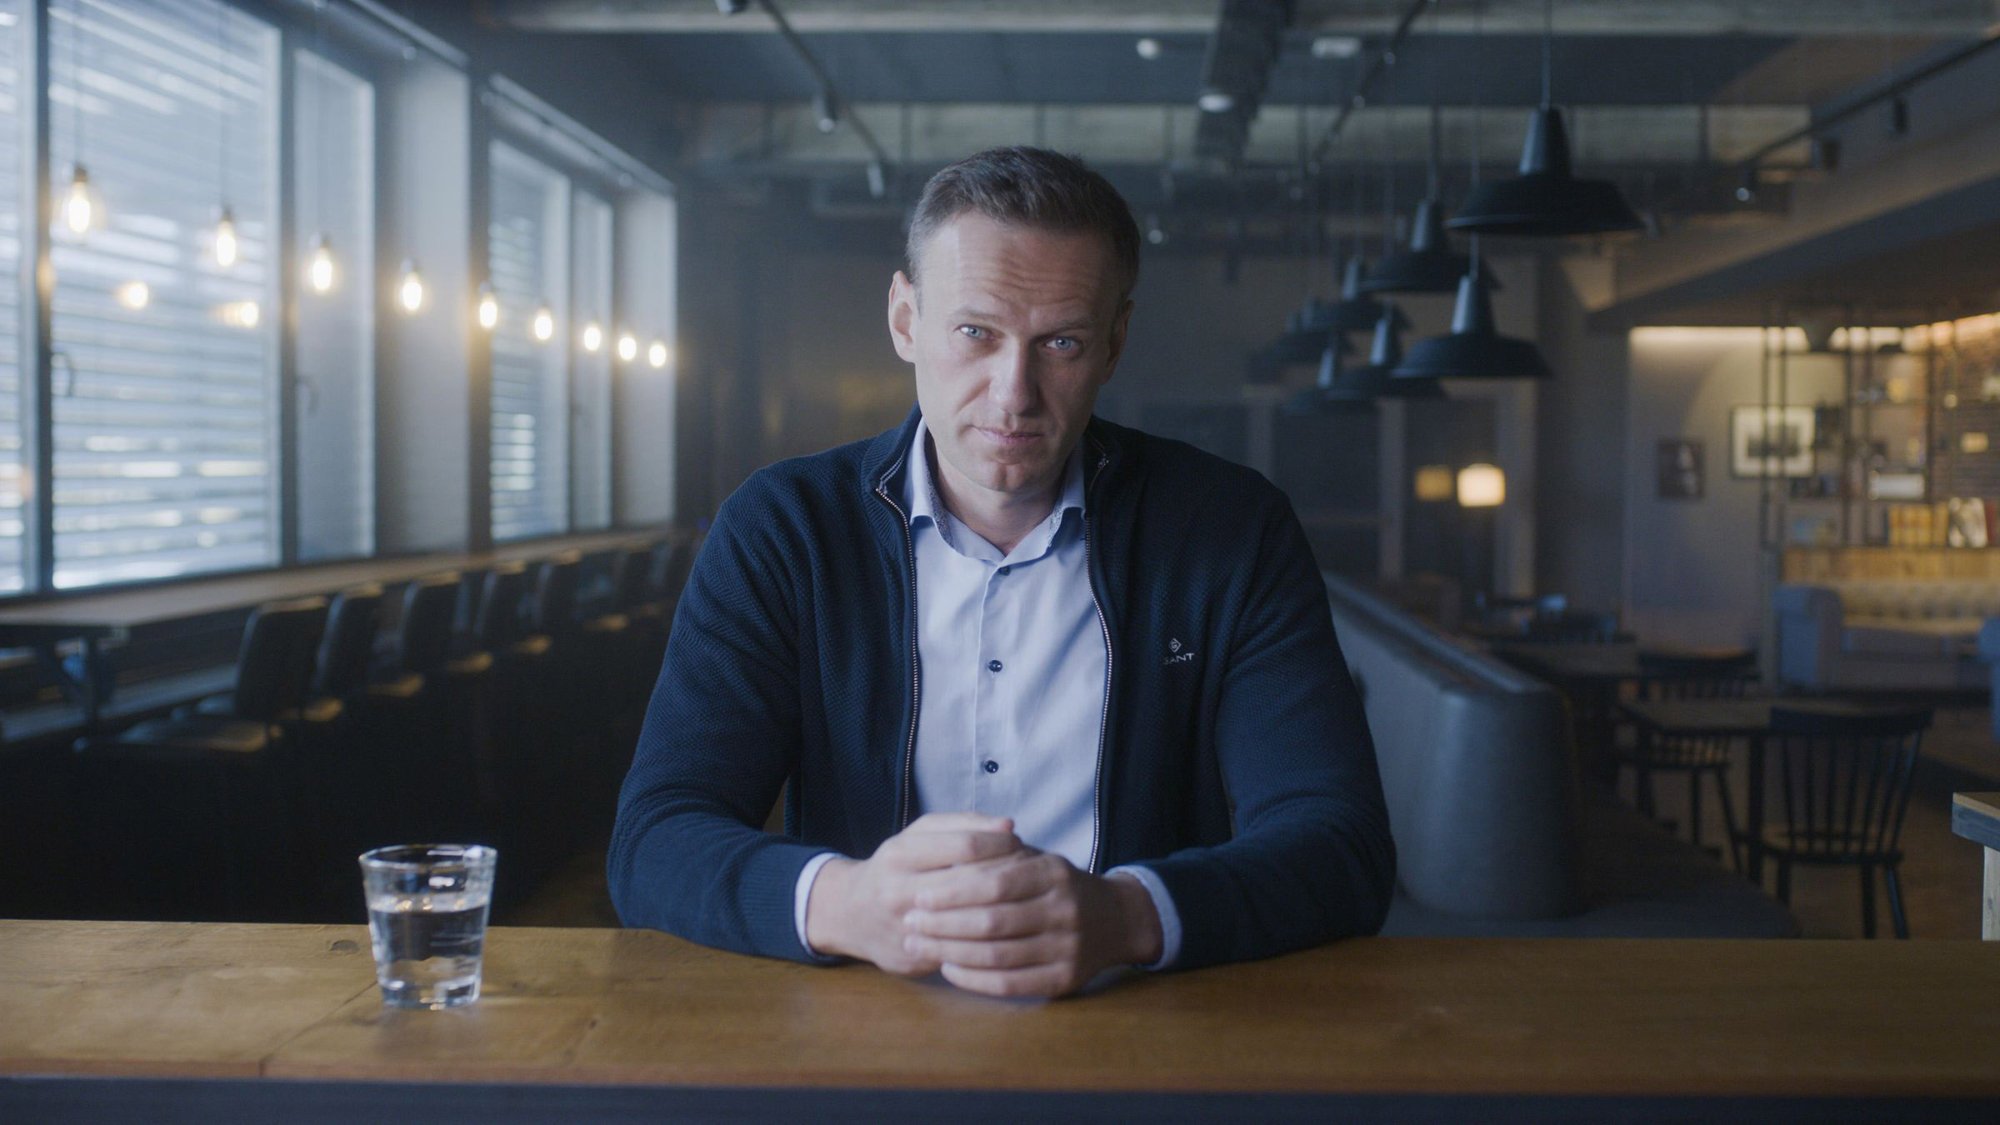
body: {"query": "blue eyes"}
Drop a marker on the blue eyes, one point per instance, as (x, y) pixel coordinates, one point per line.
(1059, 343)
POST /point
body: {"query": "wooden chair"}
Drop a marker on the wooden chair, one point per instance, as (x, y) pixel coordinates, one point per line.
(1846, 785)
(1679, 676)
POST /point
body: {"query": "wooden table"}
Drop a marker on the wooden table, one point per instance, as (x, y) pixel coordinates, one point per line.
(1976, 816)
(1480, 1029)
(1745, 719)
(94, 618)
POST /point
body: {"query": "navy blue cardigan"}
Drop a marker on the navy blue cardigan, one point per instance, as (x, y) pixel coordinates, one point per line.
(1235, 760)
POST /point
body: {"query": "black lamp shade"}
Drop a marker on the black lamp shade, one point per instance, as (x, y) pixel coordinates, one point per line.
(1307, 345)
(1546, 200)
(1473, 350)
(1428, 266)
(1305, 333)
(1329, 392)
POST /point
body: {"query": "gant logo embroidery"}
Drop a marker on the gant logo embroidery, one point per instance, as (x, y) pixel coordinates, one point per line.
(1175, 655)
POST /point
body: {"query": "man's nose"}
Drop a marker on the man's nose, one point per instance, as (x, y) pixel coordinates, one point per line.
(1011, 384)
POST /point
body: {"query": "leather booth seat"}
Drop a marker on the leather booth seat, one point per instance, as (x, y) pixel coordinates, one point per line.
(1494, 833)
(1883, 635)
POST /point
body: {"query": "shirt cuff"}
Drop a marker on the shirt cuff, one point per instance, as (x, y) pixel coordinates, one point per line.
(802, 894)
(1163, 905)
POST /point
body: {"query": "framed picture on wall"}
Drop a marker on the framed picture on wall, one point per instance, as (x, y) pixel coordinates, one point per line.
(1680, 469)
(1771, 441)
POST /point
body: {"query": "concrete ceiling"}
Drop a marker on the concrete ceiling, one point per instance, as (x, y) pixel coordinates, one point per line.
(1665, 97)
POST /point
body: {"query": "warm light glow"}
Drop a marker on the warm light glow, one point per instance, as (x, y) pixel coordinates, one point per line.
(241, 314)
(319, 266)
(134, 295)
(410, 293)
(1435, 482)
(489, 307)
(657, 354)
(593, 337)
(225, 239)
(78, 210)
(628, 348)
(545, 324)
(1481, 486)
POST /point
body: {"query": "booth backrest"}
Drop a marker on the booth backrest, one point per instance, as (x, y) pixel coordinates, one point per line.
(1476, 766)
(1918, 600)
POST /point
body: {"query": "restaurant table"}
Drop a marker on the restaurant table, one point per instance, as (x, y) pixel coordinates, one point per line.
(93, 619)
(1593, 677)
(192, 1021)
(1746, 719)
(1976, 816)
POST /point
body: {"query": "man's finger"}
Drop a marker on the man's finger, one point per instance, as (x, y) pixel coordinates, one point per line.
(1013, 953)
(960, 822)
(981, 923)
(1007, 880)
(1037, 980)
(940, 848)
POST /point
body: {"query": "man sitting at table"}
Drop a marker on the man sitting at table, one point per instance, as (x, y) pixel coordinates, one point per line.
(1099, 664)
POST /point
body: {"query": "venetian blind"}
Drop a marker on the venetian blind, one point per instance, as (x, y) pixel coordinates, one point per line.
(528, 262)
(164, 379)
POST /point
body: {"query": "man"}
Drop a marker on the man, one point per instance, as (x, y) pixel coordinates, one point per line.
(1044, 695)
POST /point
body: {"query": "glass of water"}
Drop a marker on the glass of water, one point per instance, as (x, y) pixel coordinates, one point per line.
(427, 921)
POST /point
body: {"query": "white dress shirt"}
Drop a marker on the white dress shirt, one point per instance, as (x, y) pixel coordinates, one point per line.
(1014, 664)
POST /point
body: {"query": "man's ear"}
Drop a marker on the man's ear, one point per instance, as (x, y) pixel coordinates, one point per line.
(902, 316)
(1116, 344)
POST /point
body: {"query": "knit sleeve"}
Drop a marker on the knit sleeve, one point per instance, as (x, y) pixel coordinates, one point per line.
(688, 854)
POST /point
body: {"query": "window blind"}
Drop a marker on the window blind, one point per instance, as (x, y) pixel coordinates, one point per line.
(333, 176)
(590, 444)
(164, 379)
(528, 262)
(15, 99)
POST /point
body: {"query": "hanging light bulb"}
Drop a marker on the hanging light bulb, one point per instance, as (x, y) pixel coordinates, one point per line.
(489, 306)
(593, 337)
(225, 238)
(79, 212)
(134, 295)
(657, 354)
(410, 291)
(628, 348)
(544, 325)
(319, 265)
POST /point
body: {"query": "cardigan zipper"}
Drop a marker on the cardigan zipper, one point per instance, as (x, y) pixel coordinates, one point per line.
(904, 798)
(1104, 715)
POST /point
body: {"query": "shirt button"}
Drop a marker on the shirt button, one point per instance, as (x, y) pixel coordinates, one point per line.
(992, 766)
(994, 666)
(1004, 570)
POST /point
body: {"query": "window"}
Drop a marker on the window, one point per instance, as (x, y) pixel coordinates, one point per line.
(528, 260)
(14, 103)
(164, 377)
(590, 437)
(333, 178)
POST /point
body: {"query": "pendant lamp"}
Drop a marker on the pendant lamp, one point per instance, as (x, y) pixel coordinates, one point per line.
(1546, 200)
(1429, 265)
(1357, 311)
(1378, 378)
(1325, 393)
(1305, 333)
(1473, 349)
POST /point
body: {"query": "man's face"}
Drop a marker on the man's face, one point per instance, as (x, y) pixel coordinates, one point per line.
(1016, 330)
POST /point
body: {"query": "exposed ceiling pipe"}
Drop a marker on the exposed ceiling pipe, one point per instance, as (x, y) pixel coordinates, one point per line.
(1378, 64)
(830, 96)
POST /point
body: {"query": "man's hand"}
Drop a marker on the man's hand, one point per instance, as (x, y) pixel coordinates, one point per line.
(1029, 924)
(857, 908)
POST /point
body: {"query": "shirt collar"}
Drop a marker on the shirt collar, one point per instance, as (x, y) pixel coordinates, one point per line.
(920, 492)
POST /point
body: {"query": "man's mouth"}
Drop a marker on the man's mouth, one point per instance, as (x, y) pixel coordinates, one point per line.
(1009, 437)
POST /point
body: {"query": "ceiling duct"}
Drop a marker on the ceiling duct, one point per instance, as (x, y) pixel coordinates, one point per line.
(1249, 34)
